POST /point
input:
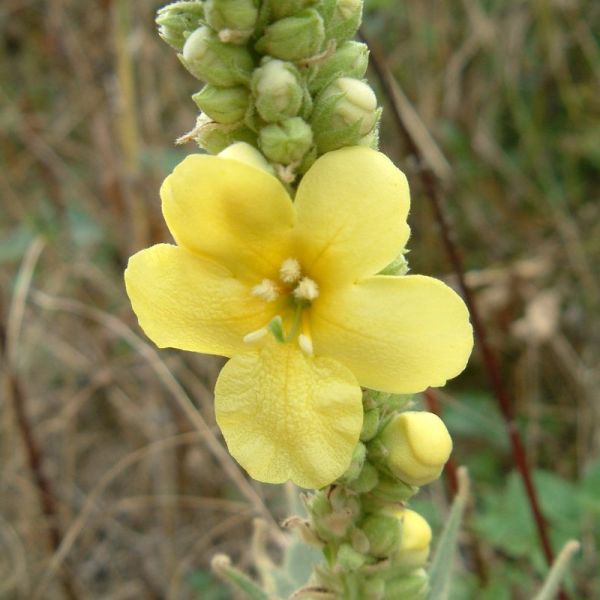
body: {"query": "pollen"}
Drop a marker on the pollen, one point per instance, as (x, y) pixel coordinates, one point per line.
(267, 290)
(306, 289)
(290, 271)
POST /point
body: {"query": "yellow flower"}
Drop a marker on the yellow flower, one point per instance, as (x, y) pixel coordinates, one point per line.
(289, 291)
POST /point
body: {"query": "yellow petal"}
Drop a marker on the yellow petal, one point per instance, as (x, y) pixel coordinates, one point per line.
(288, 416)
(230, 212)
(396, 334)
(351, 209)
(186, 302)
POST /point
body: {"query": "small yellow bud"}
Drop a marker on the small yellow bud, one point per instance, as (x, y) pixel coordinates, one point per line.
(415, 539)
(418, 446)
(247, 154)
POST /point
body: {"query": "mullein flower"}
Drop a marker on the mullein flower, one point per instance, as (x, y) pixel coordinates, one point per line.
(249, 263)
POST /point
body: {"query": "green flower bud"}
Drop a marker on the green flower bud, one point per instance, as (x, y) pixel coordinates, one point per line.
(209, 59)
(286, 8)
(415, 539)
(345, 20)
(294, 38)
(359, 540)
(349, 60)
(247, 154)
(233, 19)
(176, 22)
(366, 481)
(348, 559)
(371, 140)
(373, 588)
(370, 425)
(319, 505)
(278, 90)
(389, 490)
(418, 446)
(223, 105)
(215, 137)
(356, 464)
(286, 142)
(383, 533)
(344, 113)
(399, 266)
(413, 586)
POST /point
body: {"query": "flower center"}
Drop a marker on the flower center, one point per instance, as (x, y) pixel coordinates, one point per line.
(293, 292)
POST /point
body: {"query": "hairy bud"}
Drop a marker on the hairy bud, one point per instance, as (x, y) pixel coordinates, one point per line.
(278, 91)
(209, 59)
(286, 142)
(294, 38)
(223, 105)
(176, 22)
(234, 20)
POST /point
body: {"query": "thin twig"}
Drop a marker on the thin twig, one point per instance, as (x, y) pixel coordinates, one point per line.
(33, 451)
(489, 359)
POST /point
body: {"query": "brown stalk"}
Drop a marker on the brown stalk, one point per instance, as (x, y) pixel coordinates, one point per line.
(490, 362)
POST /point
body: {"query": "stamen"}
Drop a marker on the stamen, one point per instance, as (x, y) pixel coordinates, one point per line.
(305, 344)
(255, 336)
(307, 289)
(290, 270)
(267, 290)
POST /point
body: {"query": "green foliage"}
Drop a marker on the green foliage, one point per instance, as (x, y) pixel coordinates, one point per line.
(207, 587)
(298, 563)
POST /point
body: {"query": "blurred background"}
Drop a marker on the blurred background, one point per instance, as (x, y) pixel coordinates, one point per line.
(113, 481)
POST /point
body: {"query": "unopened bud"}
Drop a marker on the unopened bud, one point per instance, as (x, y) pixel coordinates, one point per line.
(286, 8)
(247, 154)
(277, 90)
(344, 113)
(366, 481)
(412, 586)
(383, 533)
(223, 105)
(399, 266)
(176, 22)
(209, 59)
(294, 38)
(348, 559)
(373, 588)
(215, 137)
(345, 20)
(286, 142)
(415, 539)
(370, 425)
(356, 464)
(389, 490)
(418, 446)
(349, 60)
(233, 19)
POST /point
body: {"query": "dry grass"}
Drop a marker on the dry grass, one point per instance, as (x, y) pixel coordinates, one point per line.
(90, 102)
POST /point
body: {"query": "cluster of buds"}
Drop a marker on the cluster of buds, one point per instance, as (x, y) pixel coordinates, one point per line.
(281, 75)
(362, 521)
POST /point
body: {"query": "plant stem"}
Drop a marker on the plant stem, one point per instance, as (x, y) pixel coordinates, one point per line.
(489, 359)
